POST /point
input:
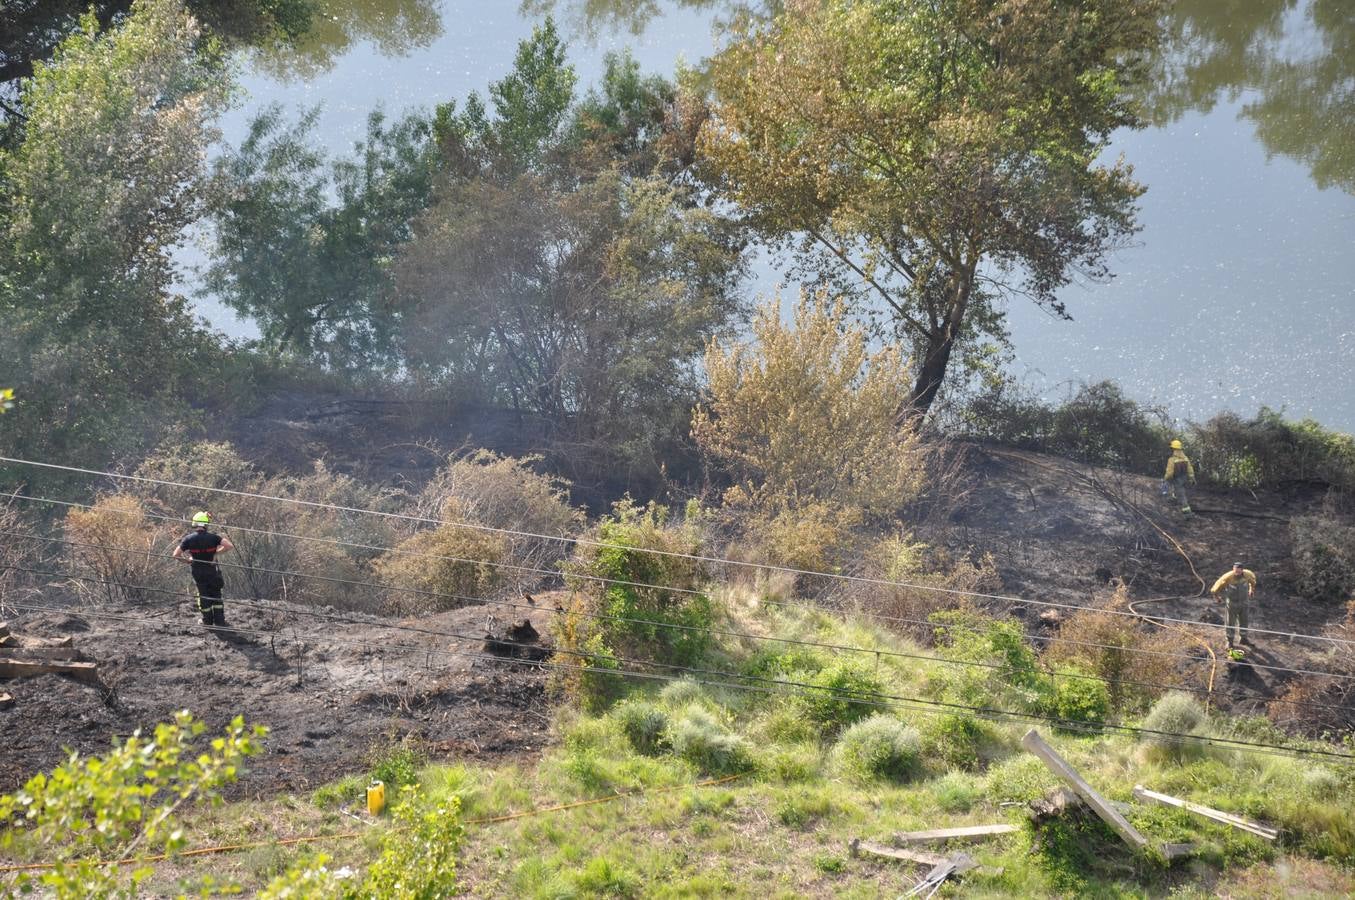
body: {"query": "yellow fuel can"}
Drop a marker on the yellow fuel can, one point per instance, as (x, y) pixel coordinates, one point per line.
(376, 798)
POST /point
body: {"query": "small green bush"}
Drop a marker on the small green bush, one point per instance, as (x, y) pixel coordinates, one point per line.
(698, 737)
(878, 748)
(803, 806)
(955, 740)
(1175, 713)
(683, 692)
(644, 724)
(396, 766)
(1080, 699)
(956, 792)
(845, 692)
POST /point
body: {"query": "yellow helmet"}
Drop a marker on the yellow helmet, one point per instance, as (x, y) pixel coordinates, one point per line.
(1176, 445)
(202, 519)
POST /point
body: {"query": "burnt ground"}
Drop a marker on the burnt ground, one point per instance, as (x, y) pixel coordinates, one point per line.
(1057, 531)
(1061, 531)
(331, 693)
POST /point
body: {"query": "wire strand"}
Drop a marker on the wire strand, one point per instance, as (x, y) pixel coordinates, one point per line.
(884, 617)
(881, 652)
(588, 542)
(878, 699)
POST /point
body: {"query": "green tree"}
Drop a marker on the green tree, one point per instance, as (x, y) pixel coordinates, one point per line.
(98, 818)
(103, 184)
(305, 247)
(567, 269)
(934, 156)
(31, 30)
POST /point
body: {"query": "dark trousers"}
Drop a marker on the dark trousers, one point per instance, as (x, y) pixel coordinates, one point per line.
(209, 582)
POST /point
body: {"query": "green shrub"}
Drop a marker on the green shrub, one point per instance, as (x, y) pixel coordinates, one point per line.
(844, 692)
(1176, 713)
(644, 724)
(878, 748)
(346, 791)
(954, 739)
(956, 792)
(1096, 425)
(803, 806)
(418, 855)
(1324, 555)
(612, 615)
(996, 667)
(698, 737)
(601, 877)
(1270, 450)
(683, 692)
(396, 766)
(1080, 699)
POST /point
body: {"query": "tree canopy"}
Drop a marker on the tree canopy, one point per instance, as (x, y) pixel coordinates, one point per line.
(937, 157)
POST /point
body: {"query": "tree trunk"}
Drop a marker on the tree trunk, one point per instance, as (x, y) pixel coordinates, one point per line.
(931, 374)
(937, 349)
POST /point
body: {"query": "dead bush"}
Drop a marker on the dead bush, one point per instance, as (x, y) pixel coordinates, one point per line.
(1119, 649)
(265, 552)
(929, 579)
(118, 545)
(1324, 556)
(1321, 704)
(16, 553)
(449, 560)
(506, 492)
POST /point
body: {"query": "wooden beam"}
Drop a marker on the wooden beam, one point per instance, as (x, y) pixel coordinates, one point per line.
(1141, 793)
(858, 846)
(40, 653)
(1177, 851)
(967, 833)
(80, 671)
(1100, 805)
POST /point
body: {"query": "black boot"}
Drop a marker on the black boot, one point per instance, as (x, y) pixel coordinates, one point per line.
(219, 617)
(207, 617)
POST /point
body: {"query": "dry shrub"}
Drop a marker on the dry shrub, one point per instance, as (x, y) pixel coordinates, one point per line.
(506, 492)
(806, 413)
(1120, 650)
(814, 536)
(449, 560)
(16, 554)
(1324, 556)
(264, 554)
(1322, 704)
(930, 579)
(120, 521)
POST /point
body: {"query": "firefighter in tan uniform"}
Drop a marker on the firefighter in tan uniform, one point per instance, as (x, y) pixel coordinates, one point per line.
(1235, 589)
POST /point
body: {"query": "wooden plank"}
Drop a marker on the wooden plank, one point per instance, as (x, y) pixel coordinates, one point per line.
(1177, 851)
(80, 671)
(40, 653)
(858, 846)
(967, 833)
(1100, 805)
(1141, 793)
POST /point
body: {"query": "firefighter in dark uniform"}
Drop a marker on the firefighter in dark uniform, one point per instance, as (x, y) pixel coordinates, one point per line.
(199, 550)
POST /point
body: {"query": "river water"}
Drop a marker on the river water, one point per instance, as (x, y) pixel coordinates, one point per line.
(1239, 292)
